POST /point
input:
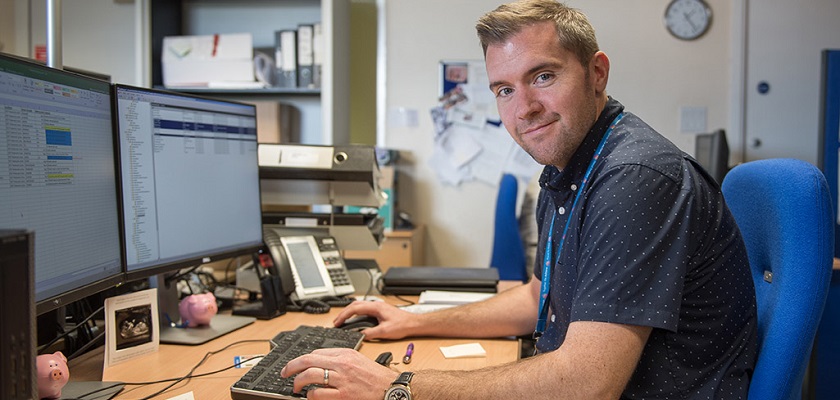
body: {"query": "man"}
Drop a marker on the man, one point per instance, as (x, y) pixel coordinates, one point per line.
(643, 287)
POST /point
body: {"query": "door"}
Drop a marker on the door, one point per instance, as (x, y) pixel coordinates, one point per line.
(785, 40)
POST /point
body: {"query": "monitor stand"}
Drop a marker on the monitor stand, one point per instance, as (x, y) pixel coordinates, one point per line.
(168, 311)
(219, 325)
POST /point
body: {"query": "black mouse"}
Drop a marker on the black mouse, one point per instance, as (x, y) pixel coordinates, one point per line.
(359, 323)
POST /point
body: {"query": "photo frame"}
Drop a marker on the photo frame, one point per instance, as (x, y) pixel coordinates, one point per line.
(132, 326)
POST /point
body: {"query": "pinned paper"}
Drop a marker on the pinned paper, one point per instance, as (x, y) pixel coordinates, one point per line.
(463, 351)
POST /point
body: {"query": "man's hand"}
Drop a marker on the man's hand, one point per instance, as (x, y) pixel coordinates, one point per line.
(351, 375)
(393, 322)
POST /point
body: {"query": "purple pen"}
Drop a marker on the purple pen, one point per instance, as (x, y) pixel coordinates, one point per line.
(408, 352)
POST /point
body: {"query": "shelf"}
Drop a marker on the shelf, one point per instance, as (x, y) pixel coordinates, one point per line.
(270, 91)
(323, 114)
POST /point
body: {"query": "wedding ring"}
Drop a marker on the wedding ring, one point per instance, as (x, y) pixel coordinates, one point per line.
(326, 377)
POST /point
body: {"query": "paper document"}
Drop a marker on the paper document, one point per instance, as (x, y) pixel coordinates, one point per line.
(464, 350)
(424, 308)
(448, 297)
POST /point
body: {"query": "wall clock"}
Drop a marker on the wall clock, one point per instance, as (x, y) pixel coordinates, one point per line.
(688, 19)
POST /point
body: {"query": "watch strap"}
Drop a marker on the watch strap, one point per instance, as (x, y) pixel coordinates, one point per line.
(404, 378)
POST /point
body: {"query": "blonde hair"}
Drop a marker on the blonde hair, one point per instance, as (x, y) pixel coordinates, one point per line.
(573, 28)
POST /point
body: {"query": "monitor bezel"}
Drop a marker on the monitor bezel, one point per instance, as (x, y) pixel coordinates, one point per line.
(84, 290)
(172, 267)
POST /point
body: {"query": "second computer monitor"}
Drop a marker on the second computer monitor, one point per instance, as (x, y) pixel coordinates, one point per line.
(190, 179)
(712, 152)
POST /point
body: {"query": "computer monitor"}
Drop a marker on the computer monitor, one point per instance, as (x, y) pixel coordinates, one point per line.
(190, 191)
(58, 178)
(712, 152)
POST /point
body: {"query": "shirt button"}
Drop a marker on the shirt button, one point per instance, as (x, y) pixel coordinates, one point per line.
(552, 318)
(561, 210)
(574, 187)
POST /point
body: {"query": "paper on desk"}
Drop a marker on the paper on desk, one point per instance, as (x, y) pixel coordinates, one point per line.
(451, 297)
(463, 351)
(425, 308)
(185, 396)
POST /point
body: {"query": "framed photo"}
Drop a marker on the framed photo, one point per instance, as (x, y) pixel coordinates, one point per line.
(131, 326)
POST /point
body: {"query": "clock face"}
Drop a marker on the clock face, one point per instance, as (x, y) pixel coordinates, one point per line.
(397, 393)
(688, 19)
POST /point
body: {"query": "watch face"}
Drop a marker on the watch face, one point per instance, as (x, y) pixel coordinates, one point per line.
(688, 19)
(398, 393)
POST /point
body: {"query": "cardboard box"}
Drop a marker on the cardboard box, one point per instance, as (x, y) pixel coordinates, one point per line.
(208, 60)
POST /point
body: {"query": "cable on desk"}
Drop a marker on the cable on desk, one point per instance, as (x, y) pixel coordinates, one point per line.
(373, 283)
(189, 375)
(407, 301)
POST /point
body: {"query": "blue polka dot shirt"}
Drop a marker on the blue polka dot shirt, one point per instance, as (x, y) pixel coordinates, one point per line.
(651, 243)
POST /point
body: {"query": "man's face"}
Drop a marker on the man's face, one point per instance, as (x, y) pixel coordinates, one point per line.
(546, 98)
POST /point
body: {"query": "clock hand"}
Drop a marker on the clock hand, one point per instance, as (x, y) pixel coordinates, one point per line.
(687, 16)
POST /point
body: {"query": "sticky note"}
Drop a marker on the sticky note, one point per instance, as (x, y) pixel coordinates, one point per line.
(463, 350)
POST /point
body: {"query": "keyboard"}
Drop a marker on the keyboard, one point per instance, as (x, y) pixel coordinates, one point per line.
(263, 381)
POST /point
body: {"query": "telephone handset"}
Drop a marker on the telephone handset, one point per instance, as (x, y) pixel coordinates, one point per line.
(314, 264)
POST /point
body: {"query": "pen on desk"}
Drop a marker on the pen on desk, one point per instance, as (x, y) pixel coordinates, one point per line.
(408, 352)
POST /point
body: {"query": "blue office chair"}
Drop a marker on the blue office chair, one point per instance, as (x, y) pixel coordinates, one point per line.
(783, 209)
(508, 250)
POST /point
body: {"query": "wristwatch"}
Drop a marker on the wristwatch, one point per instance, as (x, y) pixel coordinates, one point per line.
(399, 389)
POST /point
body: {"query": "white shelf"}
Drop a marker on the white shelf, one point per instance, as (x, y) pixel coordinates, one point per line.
(325, 111)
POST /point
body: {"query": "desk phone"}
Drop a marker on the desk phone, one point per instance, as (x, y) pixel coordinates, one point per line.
(313, 263)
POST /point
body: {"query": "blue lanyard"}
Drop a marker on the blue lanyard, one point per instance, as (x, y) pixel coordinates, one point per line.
(545, 285)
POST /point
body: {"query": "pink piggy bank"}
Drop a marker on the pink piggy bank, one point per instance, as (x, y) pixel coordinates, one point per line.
(198, 309)
(52, 374)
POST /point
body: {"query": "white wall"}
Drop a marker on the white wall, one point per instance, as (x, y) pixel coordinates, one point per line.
(106, 36)
(652, 73)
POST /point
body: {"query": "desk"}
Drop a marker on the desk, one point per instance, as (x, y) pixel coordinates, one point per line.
(174, 360)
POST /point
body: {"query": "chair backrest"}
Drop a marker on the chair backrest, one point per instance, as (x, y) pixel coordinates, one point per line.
(508, 250)
(783, 209)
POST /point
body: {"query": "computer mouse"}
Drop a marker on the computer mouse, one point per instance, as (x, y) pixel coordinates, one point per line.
(359, 323)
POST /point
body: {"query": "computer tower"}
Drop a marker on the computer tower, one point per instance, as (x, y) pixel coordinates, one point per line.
(17, 306)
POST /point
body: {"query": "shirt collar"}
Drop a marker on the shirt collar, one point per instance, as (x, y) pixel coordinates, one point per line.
(555, 179)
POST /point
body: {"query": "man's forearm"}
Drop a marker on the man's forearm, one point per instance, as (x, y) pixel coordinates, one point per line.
(510, 381)
(510, 313)
(595, 362)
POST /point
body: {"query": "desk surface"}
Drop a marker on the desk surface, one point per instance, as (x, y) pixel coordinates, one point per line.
(174, 360)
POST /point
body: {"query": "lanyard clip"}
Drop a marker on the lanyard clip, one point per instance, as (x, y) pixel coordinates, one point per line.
(536, 335)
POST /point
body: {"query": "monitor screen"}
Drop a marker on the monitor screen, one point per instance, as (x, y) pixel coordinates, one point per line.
(712, 152)
(190, 179)
(58, 178)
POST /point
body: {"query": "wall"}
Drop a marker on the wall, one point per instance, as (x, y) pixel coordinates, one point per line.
(112, 42)
(652, 73)
(7, 26)
(363, 71)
